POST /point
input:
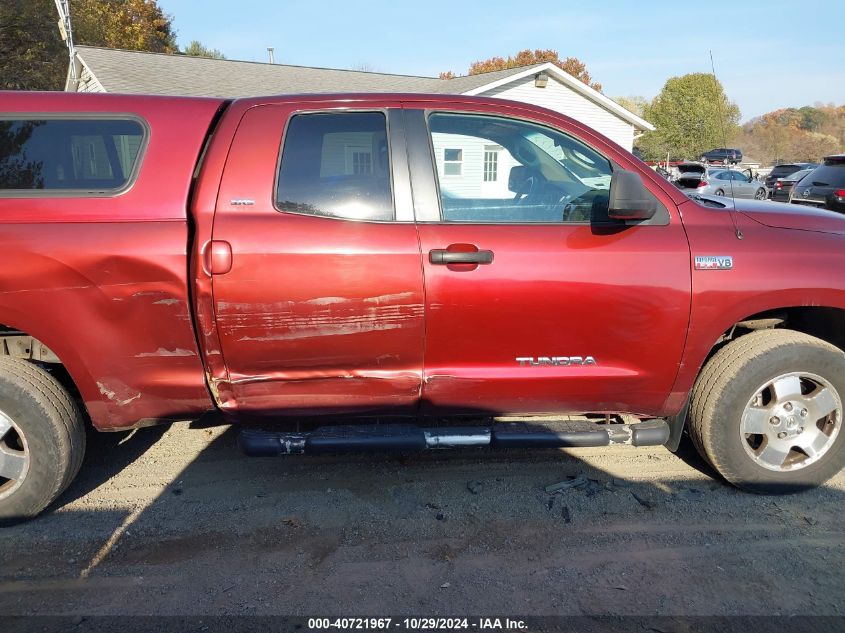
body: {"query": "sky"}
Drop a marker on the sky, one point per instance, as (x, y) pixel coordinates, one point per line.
(768, 54)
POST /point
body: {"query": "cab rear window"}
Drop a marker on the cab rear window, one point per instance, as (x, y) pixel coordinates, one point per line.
(77, 155)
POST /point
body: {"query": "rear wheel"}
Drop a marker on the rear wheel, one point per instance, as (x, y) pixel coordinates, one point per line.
(42, 439)
(719, 192)
(760, 194)
(767, 411)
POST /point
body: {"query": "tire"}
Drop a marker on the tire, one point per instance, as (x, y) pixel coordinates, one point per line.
(719, 192)
(761, 194)
(723, 408)
(42, 440)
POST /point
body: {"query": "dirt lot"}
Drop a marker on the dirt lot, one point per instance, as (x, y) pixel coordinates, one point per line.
(178, 522)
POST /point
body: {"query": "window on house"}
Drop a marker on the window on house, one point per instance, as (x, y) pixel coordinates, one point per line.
(93, 156)
(491, 163)
(336, 165)
(453, 162)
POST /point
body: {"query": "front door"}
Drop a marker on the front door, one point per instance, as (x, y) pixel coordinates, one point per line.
(536, 302)
(318, 291)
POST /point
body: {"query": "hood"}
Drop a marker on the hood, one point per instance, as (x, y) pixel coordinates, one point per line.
(792, 216)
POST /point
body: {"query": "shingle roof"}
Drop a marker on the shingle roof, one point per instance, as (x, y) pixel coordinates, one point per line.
(136, 72)
(153, 73)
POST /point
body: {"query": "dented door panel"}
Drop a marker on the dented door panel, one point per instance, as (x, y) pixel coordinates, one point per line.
(317, 315)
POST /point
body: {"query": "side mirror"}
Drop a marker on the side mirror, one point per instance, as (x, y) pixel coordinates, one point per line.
(517, 177)
(628, 197)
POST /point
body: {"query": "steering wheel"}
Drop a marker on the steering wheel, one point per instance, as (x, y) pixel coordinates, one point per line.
(525, 189)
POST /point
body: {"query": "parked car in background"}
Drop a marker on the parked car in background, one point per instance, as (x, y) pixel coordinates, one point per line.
(824, 187)
(701, 179)
(724, 155)
(781, 188)
(787, 169)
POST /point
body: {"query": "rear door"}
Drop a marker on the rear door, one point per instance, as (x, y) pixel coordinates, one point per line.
(535, 301)
(318, 291)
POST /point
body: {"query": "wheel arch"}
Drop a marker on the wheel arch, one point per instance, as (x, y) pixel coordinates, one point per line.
(821, 321)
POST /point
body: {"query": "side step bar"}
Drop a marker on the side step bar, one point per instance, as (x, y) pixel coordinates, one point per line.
(408, 438)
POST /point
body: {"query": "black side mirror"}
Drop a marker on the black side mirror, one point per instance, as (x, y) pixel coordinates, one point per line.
(628, 197)
(517, 177)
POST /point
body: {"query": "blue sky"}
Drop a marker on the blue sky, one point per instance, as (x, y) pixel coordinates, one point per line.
(769, 54)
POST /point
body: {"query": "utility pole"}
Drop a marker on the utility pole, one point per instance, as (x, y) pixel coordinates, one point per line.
(67, 35)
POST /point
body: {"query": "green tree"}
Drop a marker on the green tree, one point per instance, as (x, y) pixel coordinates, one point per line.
(811, 118)
(196, 49)
(571, 65)
(32, 54)
(692, 115)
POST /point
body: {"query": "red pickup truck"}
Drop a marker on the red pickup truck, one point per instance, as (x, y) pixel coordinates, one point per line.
(373, 256)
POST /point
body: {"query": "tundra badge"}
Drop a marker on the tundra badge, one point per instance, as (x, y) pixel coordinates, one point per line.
(714, 262)
(555, 361)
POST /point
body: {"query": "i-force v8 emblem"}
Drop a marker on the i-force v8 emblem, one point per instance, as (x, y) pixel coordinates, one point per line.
(555, 361)
(714, 262)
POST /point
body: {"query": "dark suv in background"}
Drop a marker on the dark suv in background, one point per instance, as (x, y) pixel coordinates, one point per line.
(824, 187)
(787, 169)
(722, 155)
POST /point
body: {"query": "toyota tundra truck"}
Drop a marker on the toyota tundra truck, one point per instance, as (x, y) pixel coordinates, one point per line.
(398, 272)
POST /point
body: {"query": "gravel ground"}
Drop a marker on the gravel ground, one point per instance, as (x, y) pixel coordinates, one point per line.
(176, 522)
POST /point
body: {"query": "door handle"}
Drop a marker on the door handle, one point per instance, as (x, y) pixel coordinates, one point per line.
(445, 256)
(217, 257)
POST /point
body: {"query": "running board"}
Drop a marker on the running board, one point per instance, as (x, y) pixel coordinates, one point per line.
(408, 438)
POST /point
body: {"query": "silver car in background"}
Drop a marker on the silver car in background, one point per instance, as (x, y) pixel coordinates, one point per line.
(697, 178)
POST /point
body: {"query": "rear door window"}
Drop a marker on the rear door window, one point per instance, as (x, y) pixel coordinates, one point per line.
(82, 155)
(827, 176)
(336, 165)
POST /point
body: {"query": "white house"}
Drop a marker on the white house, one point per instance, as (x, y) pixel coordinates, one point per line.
(110, 70)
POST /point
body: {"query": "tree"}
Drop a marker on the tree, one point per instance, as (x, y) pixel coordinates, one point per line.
(795, 135)
(692, 115)
(196, 49)
(571, 65)
(138, 25)
(634, 104)
(32, 55)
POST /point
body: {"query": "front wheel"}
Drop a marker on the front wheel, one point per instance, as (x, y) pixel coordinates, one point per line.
(767, 411)
(760, 194)
(719, 192)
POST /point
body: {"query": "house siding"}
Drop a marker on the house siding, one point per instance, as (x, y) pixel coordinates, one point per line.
(88, 82)
(558, 97)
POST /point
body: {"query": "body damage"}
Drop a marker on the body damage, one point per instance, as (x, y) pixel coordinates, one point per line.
(103, 281)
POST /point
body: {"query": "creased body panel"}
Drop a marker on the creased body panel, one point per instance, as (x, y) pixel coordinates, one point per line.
(102, 281)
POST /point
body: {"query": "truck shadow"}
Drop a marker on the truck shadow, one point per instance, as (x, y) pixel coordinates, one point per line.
(176, 521)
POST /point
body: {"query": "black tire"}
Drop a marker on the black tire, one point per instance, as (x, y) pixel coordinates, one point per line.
(761, 194)
(719, 192)
(53, 433)
(727, 383)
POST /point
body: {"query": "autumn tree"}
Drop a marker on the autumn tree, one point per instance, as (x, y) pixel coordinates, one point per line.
(794, 134)
(196, 49)
(138, 25)
(692, 115)
(571, 65)
(33, 55)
